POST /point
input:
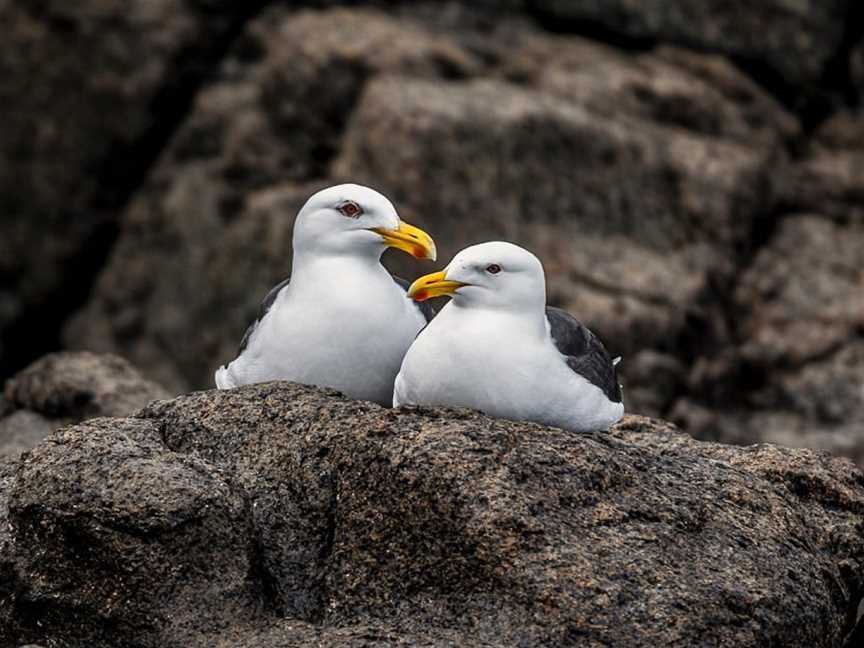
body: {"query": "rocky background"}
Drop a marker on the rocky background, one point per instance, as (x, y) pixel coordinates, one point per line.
(691, 173)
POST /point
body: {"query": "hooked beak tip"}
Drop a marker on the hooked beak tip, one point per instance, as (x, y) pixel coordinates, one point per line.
(410, 239)
(432, 285)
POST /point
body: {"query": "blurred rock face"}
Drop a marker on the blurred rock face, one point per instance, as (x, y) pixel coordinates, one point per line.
(89, 92)
(800, 309)
(692, 175)
(794, 40)
(68, 387)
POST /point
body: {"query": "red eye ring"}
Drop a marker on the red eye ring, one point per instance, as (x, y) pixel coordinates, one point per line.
(493, 268)
(350, 209)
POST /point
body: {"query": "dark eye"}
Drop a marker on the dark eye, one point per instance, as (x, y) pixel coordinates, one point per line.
(493, 268)
(350, 209)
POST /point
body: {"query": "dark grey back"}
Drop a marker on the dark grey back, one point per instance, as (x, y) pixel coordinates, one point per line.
(584, 352)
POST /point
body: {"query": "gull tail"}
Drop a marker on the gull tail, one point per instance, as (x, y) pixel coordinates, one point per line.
(224, 379)
(615, 362)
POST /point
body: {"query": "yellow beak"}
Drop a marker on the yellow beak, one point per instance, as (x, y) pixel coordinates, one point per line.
(433, 285)
(409, 239)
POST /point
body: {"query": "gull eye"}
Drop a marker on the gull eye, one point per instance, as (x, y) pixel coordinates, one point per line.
(350, 209)
(493, 268)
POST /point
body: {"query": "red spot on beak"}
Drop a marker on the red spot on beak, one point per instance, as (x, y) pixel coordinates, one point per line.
(421, 295)
(418, 252)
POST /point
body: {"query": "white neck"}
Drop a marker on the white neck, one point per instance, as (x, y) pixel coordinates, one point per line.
(312, 269)
(530, 322)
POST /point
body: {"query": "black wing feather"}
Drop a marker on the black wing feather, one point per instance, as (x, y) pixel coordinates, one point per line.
(262, 311)
(425, 308)
(584, 352)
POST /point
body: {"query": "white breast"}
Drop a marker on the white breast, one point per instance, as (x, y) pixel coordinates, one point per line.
(495, 363)
(348, 330)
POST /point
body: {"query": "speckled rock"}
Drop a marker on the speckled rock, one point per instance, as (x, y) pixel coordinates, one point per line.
(8, 623)
(365, 526)
(116, 537)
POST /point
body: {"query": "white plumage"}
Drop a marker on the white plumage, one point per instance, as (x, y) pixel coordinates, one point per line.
(495, 347)
(342, 321)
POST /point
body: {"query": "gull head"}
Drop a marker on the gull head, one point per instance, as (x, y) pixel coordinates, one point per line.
(489, 275)
(350, 219)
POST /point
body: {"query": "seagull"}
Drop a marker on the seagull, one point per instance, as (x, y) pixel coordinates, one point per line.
(341, 320)
(496, 347)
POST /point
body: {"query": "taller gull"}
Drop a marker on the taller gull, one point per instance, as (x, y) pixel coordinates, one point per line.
(498, 348)
(341, 320)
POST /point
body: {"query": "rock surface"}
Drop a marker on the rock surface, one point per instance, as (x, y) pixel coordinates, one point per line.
(22, 430)
(857, 70)
(795, 39)
(801, 303)
(8, 623)
(799, 315)
(829, 181)
(282, 515)
(69, 387)
(89, 91)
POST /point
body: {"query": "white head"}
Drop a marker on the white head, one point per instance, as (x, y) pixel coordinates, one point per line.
(494, 275)
(352, 220)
